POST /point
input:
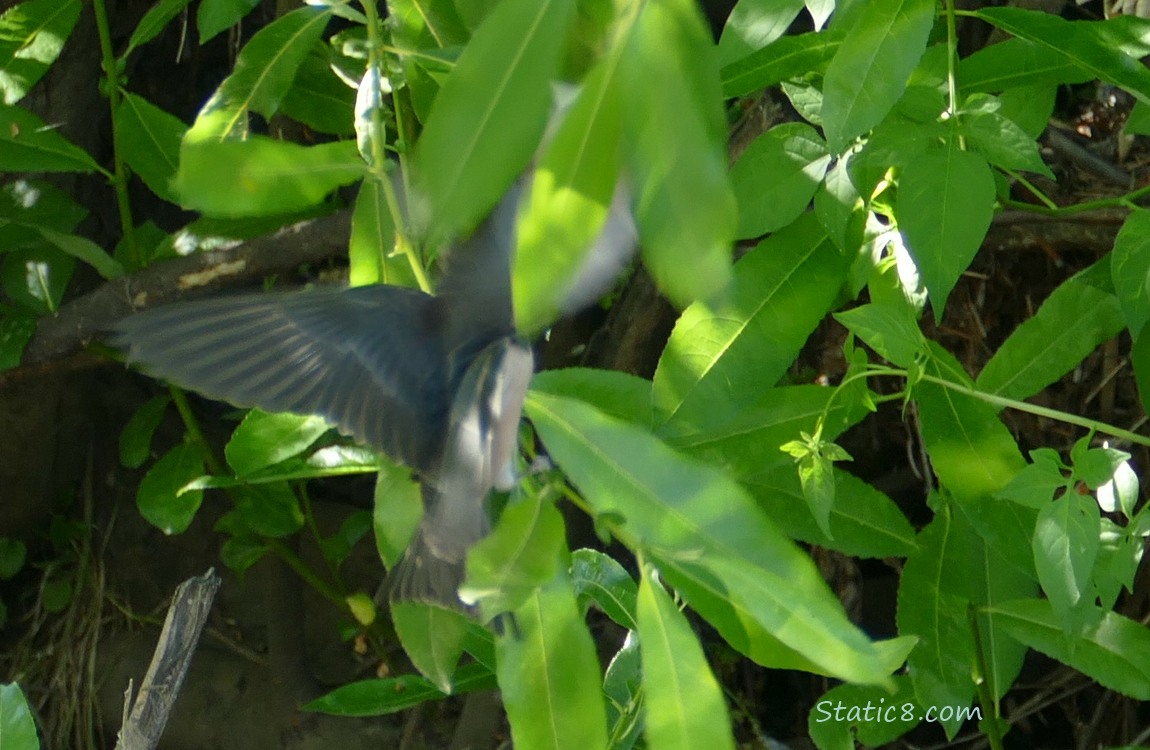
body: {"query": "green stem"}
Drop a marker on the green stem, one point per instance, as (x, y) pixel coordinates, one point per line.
(991, 723)
(192, 425)
(951, 60)
(215, 466)
(1040, 411)
(119, 177)
(378, 155)
(1121, 201)
(307, 574)
(1046, 200)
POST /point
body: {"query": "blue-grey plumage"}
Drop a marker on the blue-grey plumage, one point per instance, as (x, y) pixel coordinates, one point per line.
(478, 457)
(435, 382)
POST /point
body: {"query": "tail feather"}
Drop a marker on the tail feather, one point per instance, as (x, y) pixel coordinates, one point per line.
(420, 576)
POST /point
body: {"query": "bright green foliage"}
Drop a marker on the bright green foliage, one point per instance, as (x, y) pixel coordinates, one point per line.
(32, 36)
(683, 697)
(17, 727)
(711, 471)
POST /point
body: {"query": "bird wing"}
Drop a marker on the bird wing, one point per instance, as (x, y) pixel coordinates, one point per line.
(367, 359)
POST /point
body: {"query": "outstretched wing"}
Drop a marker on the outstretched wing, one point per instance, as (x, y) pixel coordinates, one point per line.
(370, 359)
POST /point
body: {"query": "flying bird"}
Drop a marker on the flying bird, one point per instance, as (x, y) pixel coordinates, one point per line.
(436, 382)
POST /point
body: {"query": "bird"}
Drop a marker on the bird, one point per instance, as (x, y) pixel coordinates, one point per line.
(436, 382)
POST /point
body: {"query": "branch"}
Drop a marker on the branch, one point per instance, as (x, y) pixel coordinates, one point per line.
(84, 318)
(149, 714)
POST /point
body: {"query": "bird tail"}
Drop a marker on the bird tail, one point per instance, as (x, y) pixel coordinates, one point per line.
(422, 576)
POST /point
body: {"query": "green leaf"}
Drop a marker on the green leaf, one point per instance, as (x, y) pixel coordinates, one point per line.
(622, 685)
(704, 533)
(1072, 322)
(840, 208)
(877, 716)
(1097, 466)
(722, 355)
(866, 523)
(12, 556)
(332, 461)
(158, 496)
(970, 449)
(486, 121)
(1017, 62)
(149, 140)
(318, 97)
(1115, 651)
(29, 145)
(931, 609)
(684, 703)
(889, 329)
(17, 726)
(16, 329)
(264, 176)
(1080, 43)
(153, 22)
(818, 482)
(381, 697)
(371, 251)
(1036, 484)
(549, 674)
(974, 456)
(570, 198)
(263, 74)
(1120, 493)
(518, 557)
(617, 394)
(419, 23)
(776, 177)
(337, 547)
(32, 34)
(750, 443)
(1030, 107)
(870, 70)
(268, 510)
(36, 277)
(675, 140)
(136, 438)
(602, 580)
(216, 15)
(785, 58)
(398, 509)
(896, 142)
(432, 638)
(264, 439)
(1003, 143)
(1065, 547)
(241, 552)
(1075, 319)
(26, 206)
(945, 203)
(84, 249)
(754, 24)
(1130, 269)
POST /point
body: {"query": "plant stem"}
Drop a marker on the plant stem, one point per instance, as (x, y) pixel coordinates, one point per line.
(215, 466)
(378, 138)
(119, 177)
(1039, 411)
(991, 723)
(192, 425)
(1120, 201)
(307, 574)
(951, 60)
